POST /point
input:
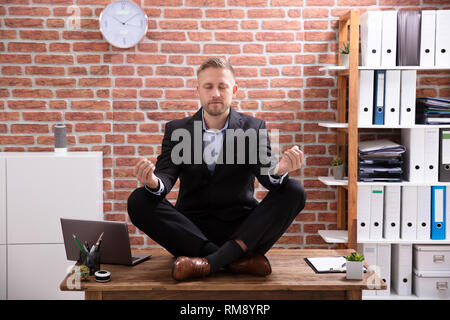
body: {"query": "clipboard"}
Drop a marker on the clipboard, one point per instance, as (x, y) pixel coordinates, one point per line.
(328, 264)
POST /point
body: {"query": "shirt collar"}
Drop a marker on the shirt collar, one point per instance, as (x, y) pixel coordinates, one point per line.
(212, 130)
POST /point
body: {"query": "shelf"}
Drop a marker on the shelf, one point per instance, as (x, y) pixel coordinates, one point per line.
(394, 296)
(331, 181)
(341, 68)
(333, 125)
(401, 241)
(334, 236)
(337, 125)
(341, 236)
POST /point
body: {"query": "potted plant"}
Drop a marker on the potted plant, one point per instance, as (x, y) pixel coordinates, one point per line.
(344, 51)
(338, 168)
(354, 266)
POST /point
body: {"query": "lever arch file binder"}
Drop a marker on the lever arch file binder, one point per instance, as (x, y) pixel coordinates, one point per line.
(442, 38)
(365, 101)
(371, 38)
(392, 98)
(438, 204)
(378, 104)
(427, 38)
(444, 155)
(389, 39)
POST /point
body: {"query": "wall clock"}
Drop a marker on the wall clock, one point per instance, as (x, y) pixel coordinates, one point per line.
(123, 23)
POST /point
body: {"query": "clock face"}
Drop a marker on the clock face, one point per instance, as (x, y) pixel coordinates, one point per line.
(123, 23)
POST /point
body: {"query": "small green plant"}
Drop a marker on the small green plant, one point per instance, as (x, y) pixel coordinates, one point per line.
(345, 49)
(337, 162)
(355, 256)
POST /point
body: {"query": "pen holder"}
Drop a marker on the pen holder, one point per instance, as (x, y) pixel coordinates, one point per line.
(82, 258)
(93, 262)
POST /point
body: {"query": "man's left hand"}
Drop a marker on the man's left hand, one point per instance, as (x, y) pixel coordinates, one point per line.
(292, 160)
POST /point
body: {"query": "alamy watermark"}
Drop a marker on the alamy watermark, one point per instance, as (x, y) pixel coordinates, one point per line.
(251, 146)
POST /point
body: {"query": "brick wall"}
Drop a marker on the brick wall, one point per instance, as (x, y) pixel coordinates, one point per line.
(117, 101)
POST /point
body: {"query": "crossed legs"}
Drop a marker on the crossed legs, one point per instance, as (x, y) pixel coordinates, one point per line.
(228, 241)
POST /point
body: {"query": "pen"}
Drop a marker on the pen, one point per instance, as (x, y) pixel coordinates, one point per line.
(78, 243)
(86, 246)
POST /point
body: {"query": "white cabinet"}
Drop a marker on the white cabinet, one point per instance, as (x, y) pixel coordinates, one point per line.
(35, 271)
(42, 190)
(2, 201)
(36, 190)
(2, 271)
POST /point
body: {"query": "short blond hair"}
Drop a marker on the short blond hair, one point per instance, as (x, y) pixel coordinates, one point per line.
(216, 62)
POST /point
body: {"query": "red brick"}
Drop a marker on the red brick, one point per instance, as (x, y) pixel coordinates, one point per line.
(225, 13)
(200, 36)
(16, 139)
(178, 24)
(92, 127)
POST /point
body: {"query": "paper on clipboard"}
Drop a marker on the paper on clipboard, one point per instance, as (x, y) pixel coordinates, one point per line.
(328, 264)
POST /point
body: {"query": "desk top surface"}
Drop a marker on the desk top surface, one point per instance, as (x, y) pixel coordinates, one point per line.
(289, 272)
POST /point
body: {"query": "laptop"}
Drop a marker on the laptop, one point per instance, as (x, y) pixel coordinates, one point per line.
(115, 247)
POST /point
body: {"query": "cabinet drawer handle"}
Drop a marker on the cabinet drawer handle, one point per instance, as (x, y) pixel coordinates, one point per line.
(441, 286)
(439, 259)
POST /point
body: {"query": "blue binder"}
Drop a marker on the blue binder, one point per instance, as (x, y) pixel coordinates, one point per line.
(438, 212)
(378, 99)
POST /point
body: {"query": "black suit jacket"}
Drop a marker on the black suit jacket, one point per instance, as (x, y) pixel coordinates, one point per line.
(228, 193)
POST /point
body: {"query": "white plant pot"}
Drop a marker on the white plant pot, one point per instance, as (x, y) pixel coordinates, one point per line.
(354, 270)
(345, 60)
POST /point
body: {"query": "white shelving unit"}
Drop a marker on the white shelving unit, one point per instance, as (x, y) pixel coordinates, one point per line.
(337, 125)
(347, 139)
(342, 68)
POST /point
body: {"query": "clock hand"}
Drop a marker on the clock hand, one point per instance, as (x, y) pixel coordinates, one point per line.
(117, 19)
(131, 17)
(133, 25)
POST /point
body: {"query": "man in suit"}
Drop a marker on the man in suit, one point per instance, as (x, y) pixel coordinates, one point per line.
(216, 222)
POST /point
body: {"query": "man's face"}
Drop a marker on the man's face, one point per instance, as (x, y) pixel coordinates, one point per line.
(216, 88)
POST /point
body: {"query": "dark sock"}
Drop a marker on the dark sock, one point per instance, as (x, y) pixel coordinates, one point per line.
(208, 248)
(226, 254)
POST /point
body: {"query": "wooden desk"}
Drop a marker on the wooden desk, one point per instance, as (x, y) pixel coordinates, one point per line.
(291, 278)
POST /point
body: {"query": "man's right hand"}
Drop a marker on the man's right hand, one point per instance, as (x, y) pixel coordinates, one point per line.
(144, 173)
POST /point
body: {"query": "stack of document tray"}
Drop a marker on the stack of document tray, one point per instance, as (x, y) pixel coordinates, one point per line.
(432, 111)
(380, 160)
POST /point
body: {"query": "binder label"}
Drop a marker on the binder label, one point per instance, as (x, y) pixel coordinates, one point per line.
(445, 146)
(439, 205)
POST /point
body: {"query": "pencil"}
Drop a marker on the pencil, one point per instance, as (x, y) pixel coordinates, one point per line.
(78, 243)
(100, 238)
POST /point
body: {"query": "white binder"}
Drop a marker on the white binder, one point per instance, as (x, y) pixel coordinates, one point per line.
(389, 39)
(363, 207)
(391, 225)
(402, 269)
(408, 97)
(442, 38)
(384, 262)
(408, 225)
(369, 250)
(376, 212)
(431, 154)
(413, 158)
(365, 99)
(392, 98)
(371, 38)
(423, 212)
(427, 38)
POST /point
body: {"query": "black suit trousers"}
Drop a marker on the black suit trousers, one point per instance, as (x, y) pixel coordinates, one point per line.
(187, 235)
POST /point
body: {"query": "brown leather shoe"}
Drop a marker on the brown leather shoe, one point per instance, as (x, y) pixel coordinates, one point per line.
(185, 268)
(255, 264)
